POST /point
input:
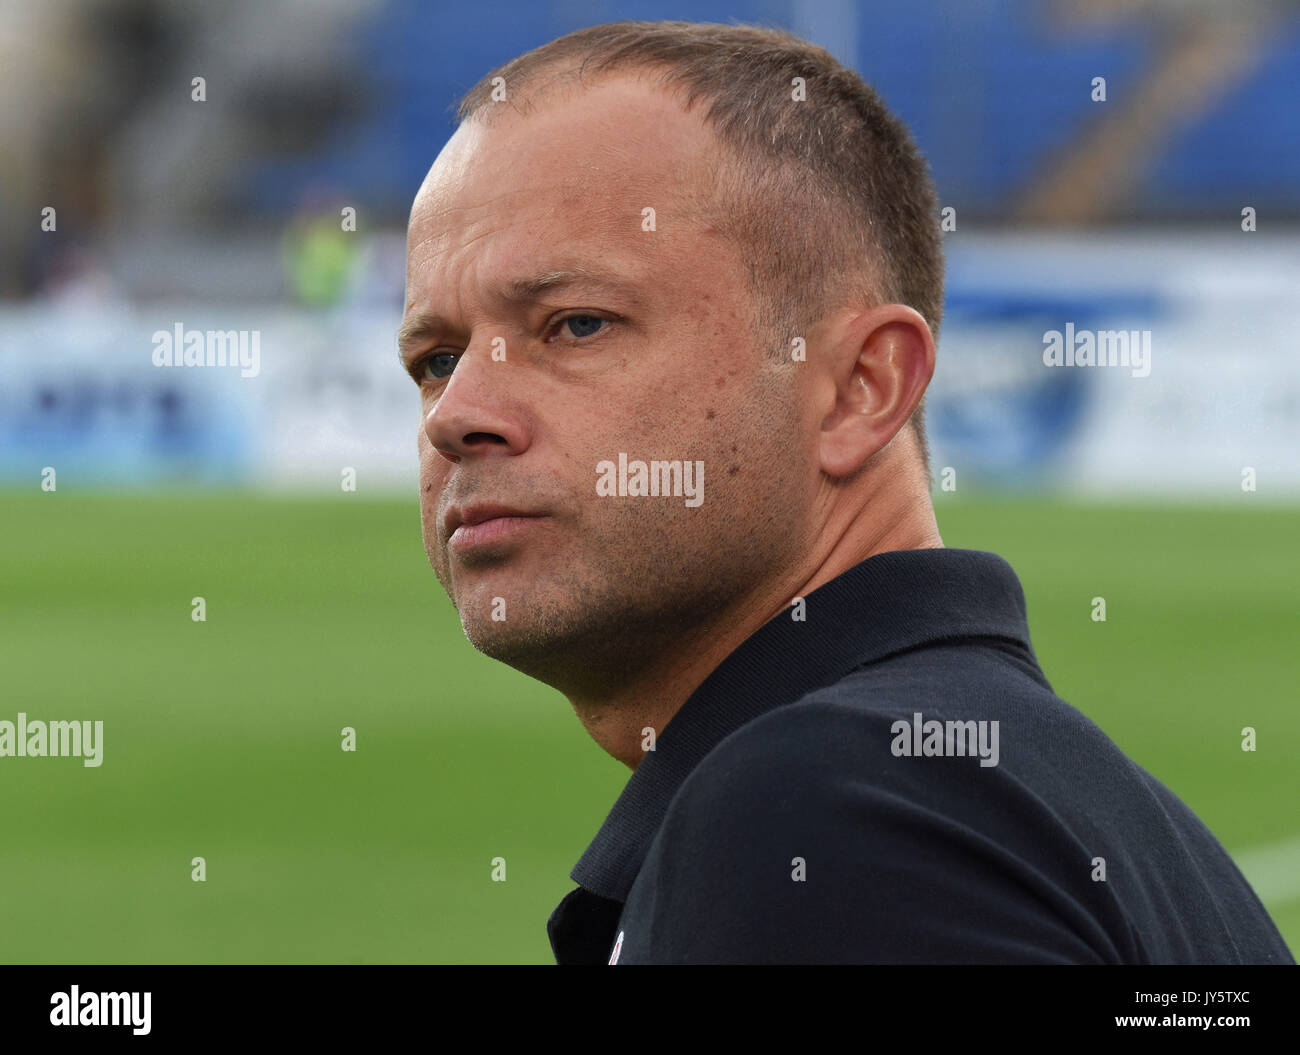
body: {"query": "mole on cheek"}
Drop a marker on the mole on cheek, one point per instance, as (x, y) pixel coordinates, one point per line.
(710, 413)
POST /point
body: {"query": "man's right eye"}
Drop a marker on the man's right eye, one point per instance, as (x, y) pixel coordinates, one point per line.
(437, 367)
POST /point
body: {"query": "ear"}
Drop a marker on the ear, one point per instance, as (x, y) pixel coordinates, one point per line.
(880, 362)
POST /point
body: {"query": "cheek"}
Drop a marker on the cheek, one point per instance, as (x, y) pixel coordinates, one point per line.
(422, 444)
(432, 479)
(430, 460)
(423, 450)
(757, 433)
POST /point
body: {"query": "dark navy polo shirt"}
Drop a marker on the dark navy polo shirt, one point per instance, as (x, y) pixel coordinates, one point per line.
(891, 779)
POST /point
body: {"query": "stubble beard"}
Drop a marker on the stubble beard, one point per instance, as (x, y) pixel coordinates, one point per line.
(624, 599)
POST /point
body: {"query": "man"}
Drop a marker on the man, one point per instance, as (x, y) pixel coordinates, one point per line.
(672, 294)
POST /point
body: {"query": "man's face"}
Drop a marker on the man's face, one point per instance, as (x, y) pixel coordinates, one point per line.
(651, 355)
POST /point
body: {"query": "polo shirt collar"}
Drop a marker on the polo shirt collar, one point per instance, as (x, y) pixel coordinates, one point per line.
(889, 603)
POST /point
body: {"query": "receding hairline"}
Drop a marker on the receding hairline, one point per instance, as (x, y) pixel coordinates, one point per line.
(560, 79)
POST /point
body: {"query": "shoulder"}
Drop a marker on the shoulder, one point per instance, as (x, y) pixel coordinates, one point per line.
(802, 837)
(813, 768)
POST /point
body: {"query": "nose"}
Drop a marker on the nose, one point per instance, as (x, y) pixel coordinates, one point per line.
(475, 414)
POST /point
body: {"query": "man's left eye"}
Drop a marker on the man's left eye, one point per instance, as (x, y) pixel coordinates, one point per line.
(583, 325)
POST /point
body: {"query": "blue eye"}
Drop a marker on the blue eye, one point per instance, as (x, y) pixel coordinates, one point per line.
(438, 366)
(589, 324)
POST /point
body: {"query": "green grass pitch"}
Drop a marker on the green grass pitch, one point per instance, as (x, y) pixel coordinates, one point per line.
(222, 738)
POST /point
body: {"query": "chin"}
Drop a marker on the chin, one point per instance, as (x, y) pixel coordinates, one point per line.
(514, 645)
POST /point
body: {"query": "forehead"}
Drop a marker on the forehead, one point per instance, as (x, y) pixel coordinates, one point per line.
(583, 164)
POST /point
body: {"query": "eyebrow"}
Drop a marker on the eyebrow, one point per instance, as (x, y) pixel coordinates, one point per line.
(525, 289)
(519, 291)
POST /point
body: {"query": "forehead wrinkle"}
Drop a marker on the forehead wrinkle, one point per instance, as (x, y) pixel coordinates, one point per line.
(443, 235)
(447, 209)
(600, 219)
(593, 229)
(433, 218)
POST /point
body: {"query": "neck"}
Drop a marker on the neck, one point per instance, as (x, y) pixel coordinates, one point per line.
(887, 508)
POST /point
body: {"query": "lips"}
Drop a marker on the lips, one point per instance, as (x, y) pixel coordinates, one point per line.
(480, 513)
